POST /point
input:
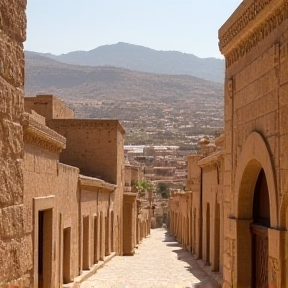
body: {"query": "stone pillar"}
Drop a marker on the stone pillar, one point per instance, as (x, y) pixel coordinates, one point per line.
(102, 236)
(108, 234)
(12, 35)
(129, 223)
(277, 257)
(239, 248)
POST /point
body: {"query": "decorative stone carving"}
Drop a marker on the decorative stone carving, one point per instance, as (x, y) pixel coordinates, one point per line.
(230, 87)
(274, 269)
(256, 35)
(37, 134)
(249, 14)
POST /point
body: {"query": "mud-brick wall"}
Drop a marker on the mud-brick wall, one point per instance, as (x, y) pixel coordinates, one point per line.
(15, 262)
(91, 146)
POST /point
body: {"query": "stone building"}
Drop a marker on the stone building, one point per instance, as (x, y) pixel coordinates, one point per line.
(136, 205)
(195, 213)
(241, 192)
(74, 207)
(58, 222)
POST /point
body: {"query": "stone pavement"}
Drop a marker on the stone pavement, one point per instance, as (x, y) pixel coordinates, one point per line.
(158, 262)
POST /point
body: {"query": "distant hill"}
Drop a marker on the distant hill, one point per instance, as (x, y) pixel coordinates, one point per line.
(153, 108)
(139, 58)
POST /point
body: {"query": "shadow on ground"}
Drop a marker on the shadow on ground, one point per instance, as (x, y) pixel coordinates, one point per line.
(192, 266)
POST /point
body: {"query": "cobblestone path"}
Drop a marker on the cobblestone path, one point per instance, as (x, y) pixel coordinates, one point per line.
(158, 262)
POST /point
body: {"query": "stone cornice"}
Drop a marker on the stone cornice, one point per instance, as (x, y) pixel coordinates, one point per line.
(250, 24)
(210, 159)
(94, 184)
(37, 134)
(105, 124)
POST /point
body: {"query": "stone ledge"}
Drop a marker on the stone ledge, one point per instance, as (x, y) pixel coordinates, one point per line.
(88, 273)
(93, 184)
(38, 134)
(216, 276)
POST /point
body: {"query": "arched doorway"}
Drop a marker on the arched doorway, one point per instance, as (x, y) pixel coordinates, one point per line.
(255, 212)
(259, 233)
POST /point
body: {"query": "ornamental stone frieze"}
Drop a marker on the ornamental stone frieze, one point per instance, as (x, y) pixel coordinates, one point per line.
(37, 134)
(246, 32)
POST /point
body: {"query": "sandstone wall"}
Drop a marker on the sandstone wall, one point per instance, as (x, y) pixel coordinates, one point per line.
(13, 239)
(97, 224)
(212, 231)
(48, 106)
(96, 147)
(256, 134)
(98, 142)
(44, 177)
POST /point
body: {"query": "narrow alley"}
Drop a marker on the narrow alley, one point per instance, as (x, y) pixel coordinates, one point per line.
(158, 262)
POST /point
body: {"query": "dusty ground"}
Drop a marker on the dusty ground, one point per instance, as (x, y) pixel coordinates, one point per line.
(158, 262)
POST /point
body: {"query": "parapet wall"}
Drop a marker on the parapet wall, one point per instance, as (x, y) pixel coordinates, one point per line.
(48, 106)
(92, 145)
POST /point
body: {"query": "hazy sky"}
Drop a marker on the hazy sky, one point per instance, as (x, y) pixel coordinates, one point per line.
(190, 26)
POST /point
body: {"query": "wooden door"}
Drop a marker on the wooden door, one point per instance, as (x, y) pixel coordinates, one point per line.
(259, 256)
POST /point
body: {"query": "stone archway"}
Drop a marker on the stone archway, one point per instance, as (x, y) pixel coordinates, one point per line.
(254, 157)
(253, 160)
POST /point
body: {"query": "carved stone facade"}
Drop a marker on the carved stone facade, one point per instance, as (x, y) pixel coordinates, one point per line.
(245, 238)
(255, 186)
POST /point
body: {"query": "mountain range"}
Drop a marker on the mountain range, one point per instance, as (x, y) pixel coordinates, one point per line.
(143, 59)
(153, 108)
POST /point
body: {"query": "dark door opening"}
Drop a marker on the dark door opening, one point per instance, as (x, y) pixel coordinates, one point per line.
(45, 219)
(112, 231)
(96, 258)
(66, 255)
(86, 243)
(259, 233)
(216, 263)
(208, 235)
(107, 252)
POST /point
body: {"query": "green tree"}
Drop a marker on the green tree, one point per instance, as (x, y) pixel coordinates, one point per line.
(144, 185)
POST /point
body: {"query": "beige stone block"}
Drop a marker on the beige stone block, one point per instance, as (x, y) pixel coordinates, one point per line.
(13, 136)
(226, 285)
(11, 101)
(11, 221)
(267, 124)
(227, 275)
(227, 162)
(283, 72)
(11, 179)
(269, 82)
(227, 261)
(10, 260)
(227, 193)
(283, 152)
(276, 243)
(231, 229)
(284, 180)
(283, 51)
(13, 19)
(227, 178)
(228, 109)
(11, 61)
(273, 144)
(283, 120)
(283, 95)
